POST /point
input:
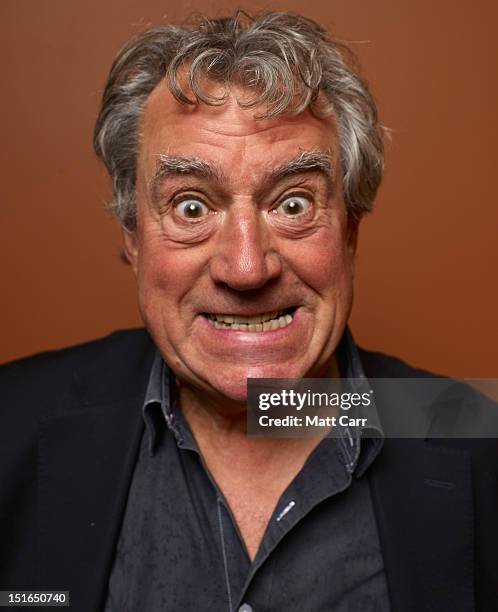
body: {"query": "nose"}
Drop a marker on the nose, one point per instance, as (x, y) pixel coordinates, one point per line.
(243, 258)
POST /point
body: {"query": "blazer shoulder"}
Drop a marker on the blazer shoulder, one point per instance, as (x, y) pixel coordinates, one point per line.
(51, 377)
(380, 365)
(461, 416)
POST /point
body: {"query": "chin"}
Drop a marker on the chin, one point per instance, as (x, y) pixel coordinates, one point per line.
(233, 384)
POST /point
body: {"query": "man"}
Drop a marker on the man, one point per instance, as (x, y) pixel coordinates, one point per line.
(243, 153)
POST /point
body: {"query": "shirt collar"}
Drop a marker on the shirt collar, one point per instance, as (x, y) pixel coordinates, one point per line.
(360, 445)
(160, 406)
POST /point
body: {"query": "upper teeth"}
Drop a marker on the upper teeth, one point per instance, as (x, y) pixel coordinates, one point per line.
(261, 318)
(263, 322)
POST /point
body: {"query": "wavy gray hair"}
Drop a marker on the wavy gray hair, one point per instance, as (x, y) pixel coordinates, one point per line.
(283, 60)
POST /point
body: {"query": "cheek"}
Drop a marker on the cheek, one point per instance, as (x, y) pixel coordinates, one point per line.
(165, 273)
(323, 262)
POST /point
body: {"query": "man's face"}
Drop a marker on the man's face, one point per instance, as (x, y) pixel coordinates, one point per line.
(243, 252)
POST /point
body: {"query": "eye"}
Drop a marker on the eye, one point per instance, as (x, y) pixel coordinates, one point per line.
(293, 206)
(191, 209)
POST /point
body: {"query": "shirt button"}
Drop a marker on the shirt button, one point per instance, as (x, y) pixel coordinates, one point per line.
(245, 608)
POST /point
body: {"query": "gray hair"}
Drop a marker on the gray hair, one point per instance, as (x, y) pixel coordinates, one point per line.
(283, 60)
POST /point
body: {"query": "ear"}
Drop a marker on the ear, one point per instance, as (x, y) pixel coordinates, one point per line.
(129, 252)
(352, 241)
(352, 236)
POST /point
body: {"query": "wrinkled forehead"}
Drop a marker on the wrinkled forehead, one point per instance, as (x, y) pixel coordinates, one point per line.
(232, 137)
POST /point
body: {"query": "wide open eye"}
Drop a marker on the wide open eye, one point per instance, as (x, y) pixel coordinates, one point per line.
(191, 209)
(293, 206)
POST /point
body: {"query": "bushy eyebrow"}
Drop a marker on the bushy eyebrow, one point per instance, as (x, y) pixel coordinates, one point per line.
(175, 166)
(178, 166)
(307, 161)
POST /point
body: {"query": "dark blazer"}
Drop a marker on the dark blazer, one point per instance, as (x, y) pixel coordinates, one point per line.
(70, 427)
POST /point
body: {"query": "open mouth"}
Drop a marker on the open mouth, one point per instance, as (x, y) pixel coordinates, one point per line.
(268, 321)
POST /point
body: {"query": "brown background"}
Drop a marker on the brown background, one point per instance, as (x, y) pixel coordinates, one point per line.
(426, 278)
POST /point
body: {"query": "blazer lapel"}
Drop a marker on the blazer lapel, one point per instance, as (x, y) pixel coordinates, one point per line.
(86, 463)
(422, 494)
(87, 451)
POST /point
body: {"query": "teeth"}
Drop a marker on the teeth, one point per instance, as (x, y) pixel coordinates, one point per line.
(261, 318)
(259, 323)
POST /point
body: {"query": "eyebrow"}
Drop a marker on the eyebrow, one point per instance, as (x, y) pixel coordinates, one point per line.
(177, 166)
(307, 161)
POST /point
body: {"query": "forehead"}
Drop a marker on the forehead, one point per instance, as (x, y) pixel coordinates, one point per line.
(228, 135)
